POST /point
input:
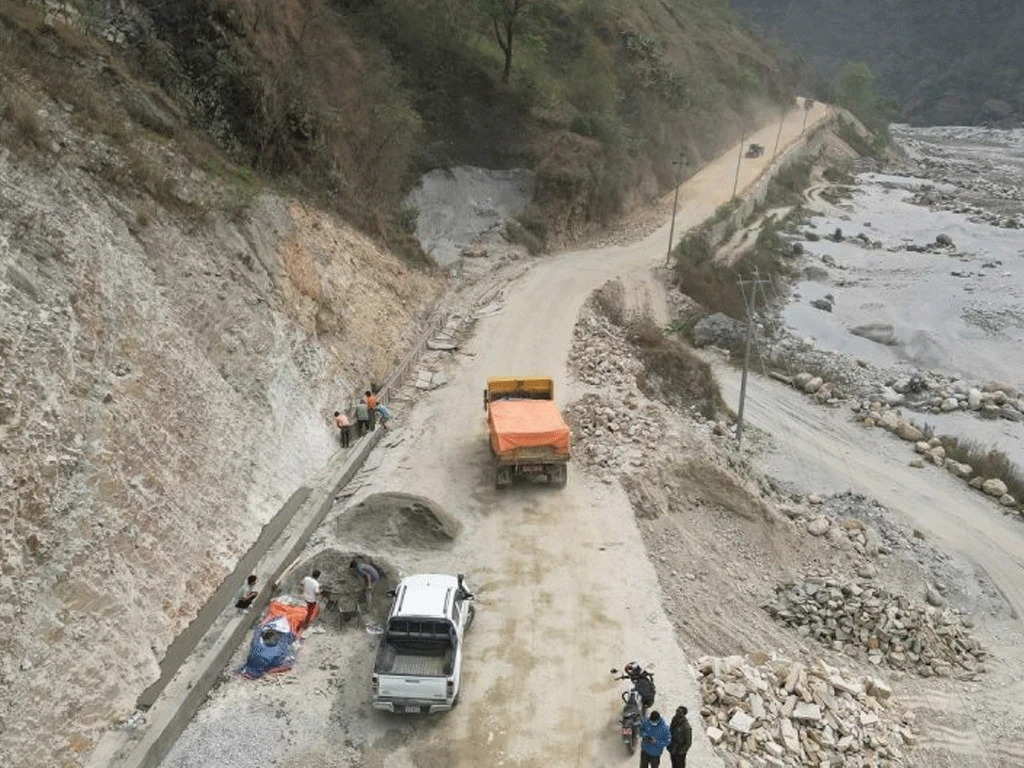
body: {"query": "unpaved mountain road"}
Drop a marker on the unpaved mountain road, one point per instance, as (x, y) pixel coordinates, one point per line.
(565, 584)
(565, 589)
(822, 450)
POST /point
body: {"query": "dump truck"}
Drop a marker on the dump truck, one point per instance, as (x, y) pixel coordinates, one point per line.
(529, 438)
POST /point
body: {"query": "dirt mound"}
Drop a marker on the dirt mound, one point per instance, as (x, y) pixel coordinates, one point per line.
(399, 520)
(344, 588)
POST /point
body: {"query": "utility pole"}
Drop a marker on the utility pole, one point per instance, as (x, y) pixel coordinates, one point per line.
(680, 164)
(751, 304)
(808, 106)
(778, 137)
(736, 184)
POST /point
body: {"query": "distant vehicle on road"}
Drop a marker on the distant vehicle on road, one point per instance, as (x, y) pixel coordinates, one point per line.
(755, 150)
(419, 661)
(529, 437)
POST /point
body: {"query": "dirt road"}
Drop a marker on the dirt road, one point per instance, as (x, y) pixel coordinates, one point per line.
(824, 451)
(565, 589)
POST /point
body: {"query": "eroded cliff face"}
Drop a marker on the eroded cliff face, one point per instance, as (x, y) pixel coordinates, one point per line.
(166, 381)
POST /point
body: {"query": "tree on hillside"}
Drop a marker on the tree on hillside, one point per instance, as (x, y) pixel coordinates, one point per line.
(855, 89)
(503, 14)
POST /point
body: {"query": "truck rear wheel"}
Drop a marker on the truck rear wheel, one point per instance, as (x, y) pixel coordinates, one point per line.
(502, 477)
(558, 475)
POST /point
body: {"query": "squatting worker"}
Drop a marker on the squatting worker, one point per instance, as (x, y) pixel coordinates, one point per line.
(682, 738)
(370, 576)
(310, 591)
(342, 423)
(655, 735)
(246, 593)
(362, 418)
(371, 406)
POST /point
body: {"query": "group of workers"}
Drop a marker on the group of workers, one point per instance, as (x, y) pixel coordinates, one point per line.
(657, 736)
(366, 413)
(367, 572)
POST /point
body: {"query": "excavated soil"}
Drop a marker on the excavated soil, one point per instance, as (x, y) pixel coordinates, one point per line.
(399, 520)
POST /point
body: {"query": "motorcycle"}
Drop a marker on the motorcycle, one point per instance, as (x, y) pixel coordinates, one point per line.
(636, 700)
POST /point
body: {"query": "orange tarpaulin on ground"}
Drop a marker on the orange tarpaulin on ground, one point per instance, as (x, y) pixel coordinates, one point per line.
(295, 614)
(527, 424)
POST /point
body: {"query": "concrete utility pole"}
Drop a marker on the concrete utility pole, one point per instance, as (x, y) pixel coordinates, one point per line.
(778, 137)
(680, 164)
(808, 106)
(751, 304)
(736, 184)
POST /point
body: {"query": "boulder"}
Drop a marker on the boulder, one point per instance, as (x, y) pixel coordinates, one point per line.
(945, 241)
(976, 482)
(909, 432)
(921, 447)
(813, 385)
(974, 399)
(880, 333)
(1010, 413)
(994, 487)
(823, 304)
(949, 404)
(719, 330)
(891, 397)
(990, 411)
(801, 379)
(818, 526)
(741, 722)
(937, 454)
(805, 711)
(889, 421)
(1007, 500)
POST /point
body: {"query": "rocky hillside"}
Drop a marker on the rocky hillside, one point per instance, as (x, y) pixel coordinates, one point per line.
(947, 61)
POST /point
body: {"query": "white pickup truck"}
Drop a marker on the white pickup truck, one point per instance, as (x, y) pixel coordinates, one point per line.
(419, 662)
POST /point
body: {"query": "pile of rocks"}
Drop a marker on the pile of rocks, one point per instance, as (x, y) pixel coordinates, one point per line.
(601, 355)
(990, 401)
(866, 621)
(613, 434)
(877, 414)
(847, 534)
(775, 712)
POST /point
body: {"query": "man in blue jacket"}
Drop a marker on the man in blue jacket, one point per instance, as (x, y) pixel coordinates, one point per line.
(655, 735)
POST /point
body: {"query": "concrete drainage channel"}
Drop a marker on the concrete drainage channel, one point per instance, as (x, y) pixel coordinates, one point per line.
(147, 745)
(194, 662)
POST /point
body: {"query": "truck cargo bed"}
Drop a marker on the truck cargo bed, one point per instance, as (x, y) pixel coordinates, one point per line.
(418, 666)
(524, 424)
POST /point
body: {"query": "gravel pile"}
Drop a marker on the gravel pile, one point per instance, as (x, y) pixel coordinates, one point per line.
(600, 354)
(868, 622)
(594, 419)
(777, 712)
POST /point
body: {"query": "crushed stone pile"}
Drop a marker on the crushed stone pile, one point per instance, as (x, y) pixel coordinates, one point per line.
(594, 419)
(868, 622)
(775, 712)
(601, 355)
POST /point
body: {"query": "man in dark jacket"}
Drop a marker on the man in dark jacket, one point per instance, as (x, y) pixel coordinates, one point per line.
(655, 735)
(682, 738)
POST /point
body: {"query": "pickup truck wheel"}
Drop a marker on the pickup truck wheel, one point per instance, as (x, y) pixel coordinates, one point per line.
(502, 478)
(558, 476)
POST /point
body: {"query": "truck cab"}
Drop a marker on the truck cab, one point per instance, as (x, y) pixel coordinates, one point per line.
(419, 662)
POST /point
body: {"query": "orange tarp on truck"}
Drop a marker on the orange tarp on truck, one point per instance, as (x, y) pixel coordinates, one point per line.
(527, 424)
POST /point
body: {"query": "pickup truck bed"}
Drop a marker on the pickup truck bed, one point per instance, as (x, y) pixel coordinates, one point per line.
(418, 666)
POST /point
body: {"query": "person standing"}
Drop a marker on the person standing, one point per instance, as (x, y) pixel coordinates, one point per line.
(371, 405)
(310, 592)
(655, 735)
(682, 738)
(362, 418)
(370, 575)
(342, 423)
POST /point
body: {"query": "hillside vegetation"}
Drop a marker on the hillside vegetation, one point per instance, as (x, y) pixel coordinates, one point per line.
(946, 61)
(349, 100)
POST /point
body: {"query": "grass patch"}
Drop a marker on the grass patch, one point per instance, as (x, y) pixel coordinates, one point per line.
(987, 462)
(788, 185)
(715, 286)
(673, 373)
